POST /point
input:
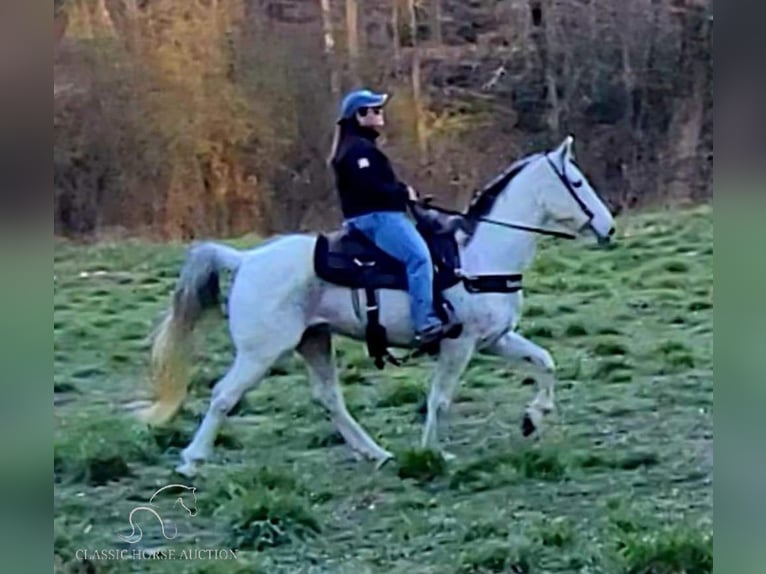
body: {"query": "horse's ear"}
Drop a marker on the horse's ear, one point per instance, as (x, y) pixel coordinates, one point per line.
(566, 147)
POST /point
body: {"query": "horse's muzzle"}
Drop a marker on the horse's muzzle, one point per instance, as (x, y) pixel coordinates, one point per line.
(605, 240)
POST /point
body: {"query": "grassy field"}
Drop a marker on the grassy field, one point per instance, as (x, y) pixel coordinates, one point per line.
(619, 481)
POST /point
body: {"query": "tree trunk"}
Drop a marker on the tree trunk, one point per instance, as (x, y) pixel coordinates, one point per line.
(134, 25)
(682, 159)
(436, 22)
(417, 97)
(544, 38)
(396, 40)
(593, 35)
(524, 24)
(352, 39)
(104, 18)
(329, 46)
(551, 76)
(640, 179)
(60, 22)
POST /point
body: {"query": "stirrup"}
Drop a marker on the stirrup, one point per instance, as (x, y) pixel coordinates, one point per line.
(429, 346)
(431, 334)
(387, 357)
(453, 331)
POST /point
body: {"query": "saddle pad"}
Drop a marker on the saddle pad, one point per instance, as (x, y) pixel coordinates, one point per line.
(350, 263)
(348, 258)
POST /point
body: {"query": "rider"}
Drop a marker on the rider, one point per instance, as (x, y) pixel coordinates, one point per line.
(375, 202)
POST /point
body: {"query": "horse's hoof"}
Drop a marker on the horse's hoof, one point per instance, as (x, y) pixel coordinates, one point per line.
(187, 469)
(383, 460)
(528, 426)
(356, 456)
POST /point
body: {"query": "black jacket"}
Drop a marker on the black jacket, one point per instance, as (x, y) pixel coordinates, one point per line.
(364, 177)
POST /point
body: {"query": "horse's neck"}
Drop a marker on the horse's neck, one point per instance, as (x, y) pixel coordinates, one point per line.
(496, 249)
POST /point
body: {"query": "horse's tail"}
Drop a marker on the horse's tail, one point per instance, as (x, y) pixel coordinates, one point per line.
(197, 291)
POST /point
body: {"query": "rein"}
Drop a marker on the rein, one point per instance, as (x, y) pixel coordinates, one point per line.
(501, 283)
(570, 187)
(518, 226)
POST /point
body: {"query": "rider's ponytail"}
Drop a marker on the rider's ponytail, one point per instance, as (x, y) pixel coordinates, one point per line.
(342, 129)
(335, 143)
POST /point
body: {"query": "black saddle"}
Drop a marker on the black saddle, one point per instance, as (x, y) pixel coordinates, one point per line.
(347, 258)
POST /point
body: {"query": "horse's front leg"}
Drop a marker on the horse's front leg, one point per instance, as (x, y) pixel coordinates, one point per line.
(317, 350)
(454, 356)
(515, 347)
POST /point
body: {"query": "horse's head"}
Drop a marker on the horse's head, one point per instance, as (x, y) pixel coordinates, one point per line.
(568, 199)
(187, 497)
(188, 500)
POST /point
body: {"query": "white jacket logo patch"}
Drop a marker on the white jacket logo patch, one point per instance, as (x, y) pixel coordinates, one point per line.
(363, 162)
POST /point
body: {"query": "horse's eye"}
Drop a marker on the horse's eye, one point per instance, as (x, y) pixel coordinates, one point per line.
(577, 184)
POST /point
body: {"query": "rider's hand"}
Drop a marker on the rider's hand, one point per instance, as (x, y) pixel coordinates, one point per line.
(412, 193)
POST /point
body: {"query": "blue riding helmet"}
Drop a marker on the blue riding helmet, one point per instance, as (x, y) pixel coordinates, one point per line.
(358, 99)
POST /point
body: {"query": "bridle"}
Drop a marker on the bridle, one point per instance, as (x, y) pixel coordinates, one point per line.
(570, 186)
(504, 282)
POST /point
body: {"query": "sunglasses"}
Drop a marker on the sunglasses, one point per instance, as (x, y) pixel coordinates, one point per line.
(377, 110)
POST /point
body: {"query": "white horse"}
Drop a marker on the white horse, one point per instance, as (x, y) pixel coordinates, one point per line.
(277, 305)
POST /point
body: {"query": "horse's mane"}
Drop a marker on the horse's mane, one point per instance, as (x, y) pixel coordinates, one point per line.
(483, 199)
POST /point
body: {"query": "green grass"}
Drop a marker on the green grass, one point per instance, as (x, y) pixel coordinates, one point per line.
(403, 393)
(559, 532)
(667, 550)
(618, 482)
(575, 330)
(262, 519)
(496, 556)
(98, 449)
(421, 465)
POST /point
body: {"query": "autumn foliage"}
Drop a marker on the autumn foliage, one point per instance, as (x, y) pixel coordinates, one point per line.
(188, 118)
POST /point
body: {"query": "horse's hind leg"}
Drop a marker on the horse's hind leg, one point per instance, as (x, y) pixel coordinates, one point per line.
(247, 372)
(316, 349)
(267, 317)
(258, 348)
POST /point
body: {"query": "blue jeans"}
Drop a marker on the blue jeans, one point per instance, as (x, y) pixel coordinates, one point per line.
(395, 234)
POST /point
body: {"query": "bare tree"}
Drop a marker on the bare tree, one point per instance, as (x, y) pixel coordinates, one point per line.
(203, 121)
(396, 40)
(60, 22)
(544, 38)
(134, 25)
(417, 97)
(104, 17)
(329, 45)
(436, 21)
(683, 159)
(592, 19)
(551, 75)
(352, 38)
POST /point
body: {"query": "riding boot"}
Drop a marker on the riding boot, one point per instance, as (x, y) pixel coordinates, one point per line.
(427, 340)
(452, 327)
